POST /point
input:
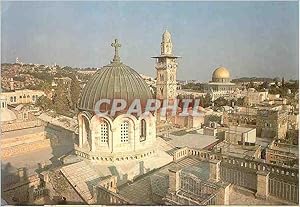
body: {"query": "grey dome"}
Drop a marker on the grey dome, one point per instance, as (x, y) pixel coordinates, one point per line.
(114, 81)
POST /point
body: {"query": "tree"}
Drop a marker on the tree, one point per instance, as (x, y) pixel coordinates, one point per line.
(282, 82)
(61, 101)
(250, 85)
(75, 91)
(205, 101)
(44, 103)
(240, 101)
(221, 102)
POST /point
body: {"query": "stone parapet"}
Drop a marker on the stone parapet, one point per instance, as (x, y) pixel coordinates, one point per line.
(28, 147)
(174, 179)
(262, 184)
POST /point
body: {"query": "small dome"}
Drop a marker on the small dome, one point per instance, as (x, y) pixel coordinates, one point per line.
(7, 115)
(166, 35)
(221, 74)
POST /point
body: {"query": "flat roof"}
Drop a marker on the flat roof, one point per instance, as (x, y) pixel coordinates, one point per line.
(239, 129)
(237, 150)
(264, 142)
(192, 140)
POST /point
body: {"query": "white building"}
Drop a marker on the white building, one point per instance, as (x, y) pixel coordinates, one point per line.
(220, 85)
(24, 96)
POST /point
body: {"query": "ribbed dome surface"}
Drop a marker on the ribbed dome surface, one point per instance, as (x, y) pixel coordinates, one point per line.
(114, 81)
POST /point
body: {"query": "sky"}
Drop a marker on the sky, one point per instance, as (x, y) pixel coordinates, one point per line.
(249, 38)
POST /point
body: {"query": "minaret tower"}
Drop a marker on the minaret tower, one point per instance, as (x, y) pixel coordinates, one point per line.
(166, 67)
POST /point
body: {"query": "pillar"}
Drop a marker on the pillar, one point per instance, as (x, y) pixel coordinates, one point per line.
(31, 194)
(45, 176)
(21, 174)
(223, 194)
(174, 179)
(111, 134)
(262, 184)
(92, 137)
(214, 170)
(80, 132)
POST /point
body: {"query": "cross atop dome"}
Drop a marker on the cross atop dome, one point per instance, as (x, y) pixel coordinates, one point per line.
(116, 45)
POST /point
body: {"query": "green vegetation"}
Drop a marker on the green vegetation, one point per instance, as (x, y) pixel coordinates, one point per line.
(193, 86)
(75, 92)
(221, 102)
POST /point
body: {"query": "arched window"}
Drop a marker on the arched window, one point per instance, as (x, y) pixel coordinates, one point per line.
(143, 130)
(161, 77)
(25, 115)
(124, 132)
(104, 132)
(11, 99)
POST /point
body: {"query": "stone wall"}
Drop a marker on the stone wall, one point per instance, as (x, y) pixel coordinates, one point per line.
(244, 173)
(20, 125)
(272, 124)
(22, 144)
(22, 191)
(106, 197)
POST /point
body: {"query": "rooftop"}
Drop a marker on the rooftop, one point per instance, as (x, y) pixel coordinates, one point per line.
(192, 140)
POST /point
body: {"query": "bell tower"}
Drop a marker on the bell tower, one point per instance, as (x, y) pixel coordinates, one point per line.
(166, 67)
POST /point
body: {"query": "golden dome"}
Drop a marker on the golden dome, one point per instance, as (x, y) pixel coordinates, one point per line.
(221, 74)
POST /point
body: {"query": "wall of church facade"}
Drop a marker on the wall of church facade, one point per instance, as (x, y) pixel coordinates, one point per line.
(125, 137)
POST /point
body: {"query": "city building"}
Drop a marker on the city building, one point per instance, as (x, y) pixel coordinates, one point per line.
(272, 123)
(21, 131)
(24, 96)
(220, 85)
(253, 97)
(282, 154)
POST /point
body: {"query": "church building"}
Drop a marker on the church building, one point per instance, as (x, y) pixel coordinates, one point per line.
(122, 136)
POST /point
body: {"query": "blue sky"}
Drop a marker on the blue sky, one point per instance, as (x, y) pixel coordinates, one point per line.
(249, 38)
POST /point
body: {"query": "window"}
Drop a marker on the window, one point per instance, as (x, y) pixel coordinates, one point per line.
(143, 130)
(124, 132)
(11, 99)
(161, 77)
(33, 98)
(15, 99)
(25, 115)
(104, 132)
